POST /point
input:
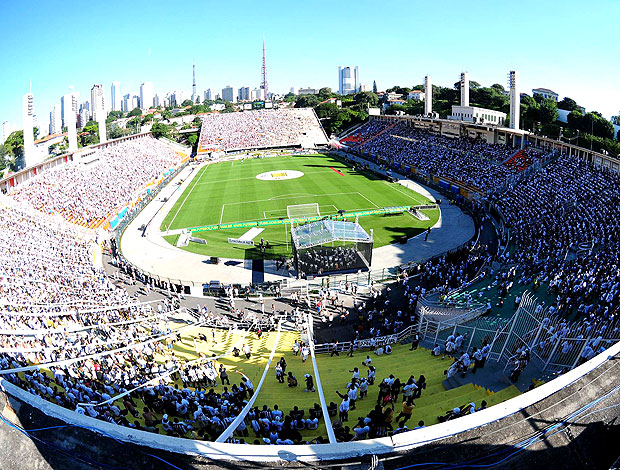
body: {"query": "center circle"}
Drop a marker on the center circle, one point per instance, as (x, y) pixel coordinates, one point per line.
(278, 175)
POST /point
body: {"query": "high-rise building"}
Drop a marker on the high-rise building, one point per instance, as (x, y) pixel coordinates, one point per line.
(116, 97)
(97, 101)
(228, 94)
(465, 89)
(515, 99)
(348, 80)
(126, 103)
(28, 125)
(244, 93)
(135, 102)
(208, 95)
(257, 94)
(428, 95)
(83, 116)
(71, 111)
(146, 95)
(156, 101)
(55, 120)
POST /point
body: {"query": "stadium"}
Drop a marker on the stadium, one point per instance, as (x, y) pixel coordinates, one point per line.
(414, 292)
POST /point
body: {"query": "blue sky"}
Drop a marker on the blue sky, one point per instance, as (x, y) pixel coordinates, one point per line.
(571, 46)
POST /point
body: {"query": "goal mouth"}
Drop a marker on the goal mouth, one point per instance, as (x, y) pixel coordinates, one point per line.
(300, 211)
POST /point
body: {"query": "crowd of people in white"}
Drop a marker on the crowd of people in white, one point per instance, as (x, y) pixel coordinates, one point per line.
(93, 187)
(259, 129)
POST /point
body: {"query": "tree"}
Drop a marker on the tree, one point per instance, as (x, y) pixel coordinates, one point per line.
(159, 129)
(187, 103)
(113, 116)
(548, 111)
(135, 112)
(616, 119)
(14, 145)
(192, 139)
(374, 87)
(366, 99)
(325, 93)
(568, 104)
(307, 101)
(228, 107)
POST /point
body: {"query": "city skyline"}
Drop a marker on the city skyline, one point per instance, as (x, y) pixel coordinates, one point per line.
(543, 50)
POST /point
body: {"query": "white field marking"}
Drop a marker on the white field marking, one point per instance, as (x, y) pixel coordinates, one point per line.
(176, 231)
(403, 192)
(368, 199)
(222, 214)
(251, 178)
(290, 195)
(190, 192)
(309, 195)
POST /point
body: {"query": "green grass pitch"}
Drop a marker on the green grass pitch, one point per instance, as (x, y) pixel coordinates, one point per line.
(230, 192)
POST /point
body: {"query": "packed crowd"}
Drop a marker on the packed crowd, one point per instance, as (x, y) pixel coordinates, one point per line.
(471, 162)
(90, 189)
(259, 129)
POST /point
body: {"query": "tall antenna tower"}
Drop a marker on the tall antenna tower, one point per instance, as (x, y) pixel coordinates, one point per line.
(264, 83)
(194, 83)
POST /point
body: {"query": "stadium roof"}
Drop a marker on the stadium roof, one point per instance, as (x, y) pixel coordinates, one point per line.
(326, 231)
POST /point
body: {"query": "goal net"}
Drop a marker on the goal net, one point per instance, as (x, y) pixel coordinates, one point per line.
(299, 211)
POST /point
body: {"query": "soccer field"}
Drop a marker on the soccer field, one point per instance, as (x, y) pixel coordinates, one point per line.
(230, 192)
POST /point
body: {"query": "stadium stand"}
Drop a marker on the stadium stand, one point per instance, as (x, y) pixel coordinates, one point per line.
(260, 129)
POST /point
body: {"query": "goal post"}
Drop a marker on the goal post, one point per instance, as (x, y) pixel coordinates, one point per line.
(299, 211)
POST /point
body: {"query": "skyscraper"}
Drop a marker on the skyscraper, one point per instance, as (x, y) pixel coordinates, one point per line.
(55, 120)
(6, 131)
(97, 102)
(28, 124)
(71, 108)
(244, 93)
(208, 95)
(116, 97)
(348, 80)
(146, 95)
(228, 94)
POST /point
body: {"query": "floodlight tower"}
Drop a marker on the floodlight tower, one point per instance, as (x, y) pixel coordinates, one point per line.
(264, 73)
(515, 98)
(428, 95)
(465, 89)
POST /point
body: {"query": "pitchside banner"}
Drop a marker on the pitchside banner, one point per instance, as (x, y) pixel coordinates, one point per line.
(265, 223)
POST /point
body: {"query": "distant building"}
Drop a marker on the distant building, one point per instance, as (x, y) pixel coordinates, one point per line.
(308, 91)
(257, 94)
(415, 95)
(348, 80)
(126, 103)
(83, 117)
(477, 115)
(156, 101)
(55, 120)
(135, 102)
(208, 95)
(228, 94)
(72, 98)
(146, 95)
(115, 96)
(293, 91)
(97, 101)
(244, 93)
(545, 93)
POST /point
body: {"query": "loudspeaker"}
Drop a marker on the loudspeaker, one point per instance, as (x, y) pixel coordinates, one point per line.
(214, 260)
